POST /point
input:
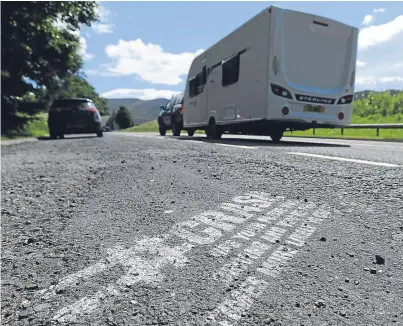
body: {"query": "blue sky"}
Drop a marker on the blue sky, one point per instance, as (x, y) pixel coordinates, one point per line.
(144, 49)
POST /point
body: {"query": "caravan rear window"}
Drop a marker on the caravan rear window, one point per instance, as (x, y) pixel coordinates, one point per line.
(230, 70)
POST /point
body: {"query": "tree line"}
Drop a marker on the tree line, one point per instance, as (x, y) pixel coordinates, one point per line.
(39, 58)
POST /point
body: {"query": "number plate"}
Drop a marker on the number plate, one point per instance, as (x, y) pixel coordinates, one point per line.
(75, 126)
(314, 108)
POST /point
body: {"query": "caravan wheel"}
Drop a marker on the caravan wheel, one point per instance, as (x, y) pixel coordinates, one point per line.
(213, 131)
(276, 136)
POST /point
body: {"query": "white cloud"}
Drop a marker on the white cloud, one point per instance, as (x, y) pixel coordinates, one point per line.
(142, 94)
(380, 49)
(149, 61)
(83, 50)
(368, 19)
(102, 12)
(379, 10)
(103, 28)
(100, 72)
(361, 64)
(378, 34)
(376, 81)
(393, 79)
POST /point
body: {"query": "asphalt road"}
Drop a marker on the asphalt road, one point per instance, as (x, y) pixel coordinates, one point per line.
(146, 230)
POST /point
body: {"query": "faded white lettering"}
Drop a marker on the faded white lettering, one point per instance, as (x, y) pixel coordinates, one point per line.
(250, 231)
(215, 219)
(277, 212)
(212, 234)
(299, 236)
(274, 234)
(240, 209)
(296, 215)
(277, 261)
(238, 302)
(224, 249)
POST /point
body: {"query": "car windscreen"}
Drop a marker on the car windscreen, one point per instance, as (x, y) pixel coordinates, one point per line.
(69, 103)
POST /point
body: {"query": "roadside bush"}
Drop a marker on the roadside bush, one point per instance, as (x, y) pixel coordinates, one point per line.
(124, 118)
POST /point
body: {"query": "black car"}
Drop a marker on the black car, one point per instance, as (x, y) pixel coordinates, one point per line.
(171, 117)
(74, 116)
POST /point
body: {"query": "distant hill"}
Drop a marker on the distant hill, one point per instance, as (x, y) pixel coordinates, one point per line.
(142, 111)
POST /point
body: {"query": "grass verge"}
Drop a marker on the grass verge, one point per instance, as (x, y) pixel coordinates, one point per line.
(390, 134)
(38, 127)
(369, 133)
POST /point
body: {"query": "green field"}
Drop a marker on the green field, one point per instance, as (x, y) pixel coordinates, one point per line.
(151, 126)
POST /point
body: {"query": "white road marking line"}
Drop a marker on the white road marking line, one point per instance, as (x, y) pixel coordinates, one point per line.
(194, 141)
(168, 212)
(345, 159)
(349, 143)
(239, 146)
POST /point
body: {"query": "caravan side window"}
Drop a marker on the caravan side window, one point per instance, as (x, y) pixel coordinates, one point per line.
(200, 83)
(196, 84)
(192, 87)
(230, 71)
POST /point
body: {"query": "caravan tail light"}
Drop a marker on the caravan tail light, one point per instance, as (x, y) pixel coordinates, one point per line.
(341, 116)
(285, 110)
(280, 91)
(345, 99)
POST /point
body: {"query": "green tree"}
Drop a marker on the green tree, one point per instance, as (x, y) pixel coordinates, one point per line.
(124, 118)
(36, 55)
(112, 118)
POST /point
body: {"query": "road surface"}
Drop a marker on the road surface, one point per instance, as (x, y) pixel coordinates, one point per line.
(138, 229)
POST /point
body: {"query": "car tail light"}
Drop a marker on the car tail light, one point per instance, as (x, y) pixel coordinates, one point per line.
(285, 110)
(280, 91)
(181, 109)
(345, 99)
(341, 115)
(92, 109)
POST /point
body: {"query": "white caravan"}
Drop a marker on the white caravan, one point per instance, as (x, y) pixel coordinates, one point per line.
(282, 70)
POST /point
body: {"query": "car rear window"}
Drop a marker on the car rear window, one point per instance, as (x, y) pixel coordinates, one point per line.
(69, 103)
(179, 99)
